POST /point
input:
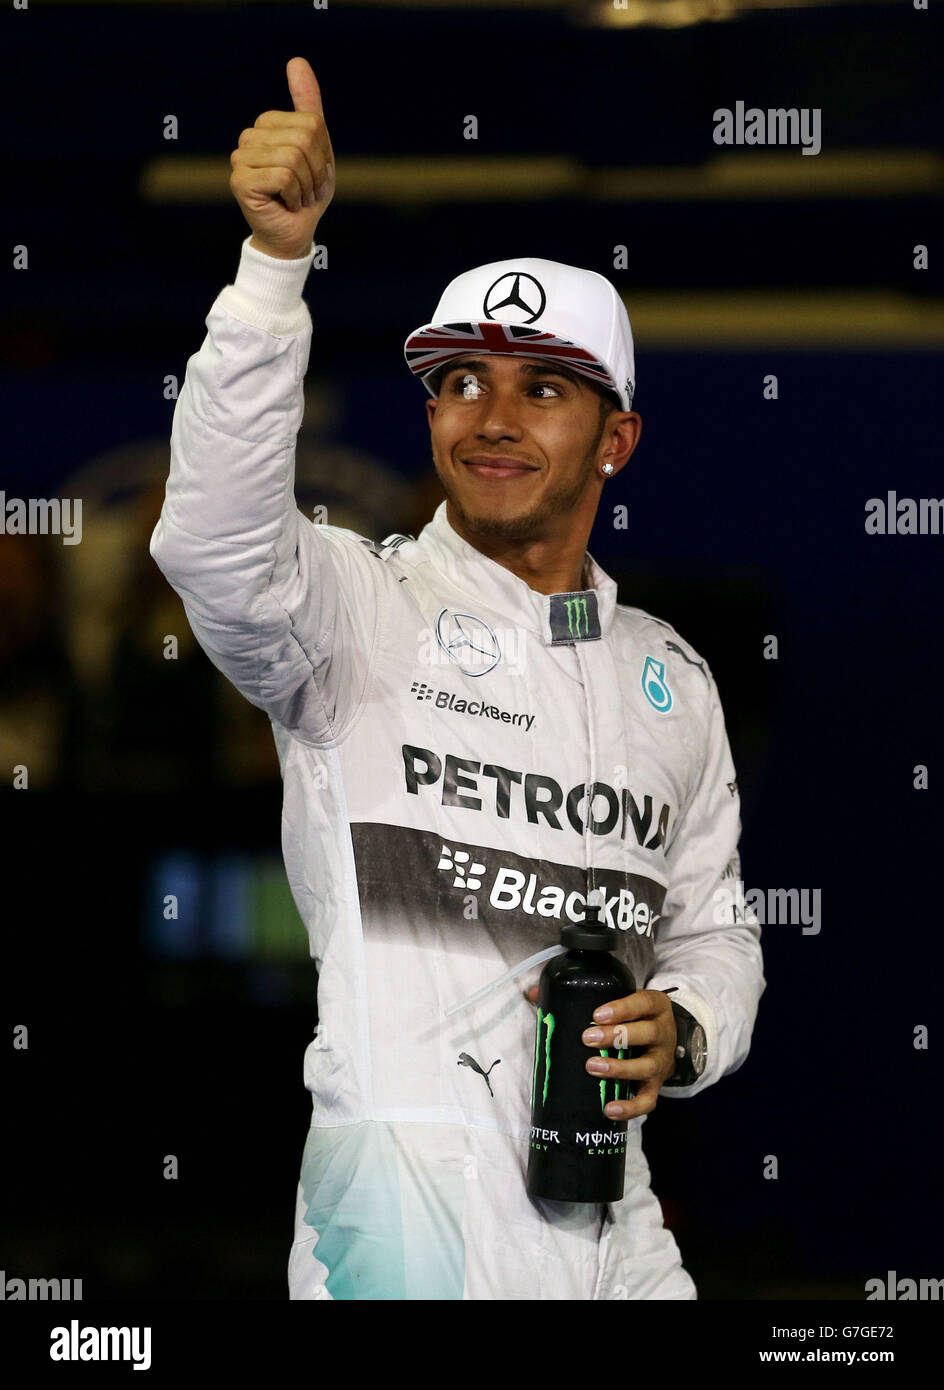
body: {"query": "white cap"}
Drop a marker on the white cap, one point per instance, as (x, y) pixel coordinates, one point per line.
(533, 308)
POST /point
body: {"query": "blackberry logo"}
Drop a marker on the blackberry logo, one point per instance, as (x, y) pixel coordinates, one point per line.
(459, 862)
(476, 709)
(522, 891)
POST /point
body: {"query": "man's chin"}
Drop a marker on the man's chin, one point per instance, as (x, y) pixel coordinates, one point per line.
(500, 522)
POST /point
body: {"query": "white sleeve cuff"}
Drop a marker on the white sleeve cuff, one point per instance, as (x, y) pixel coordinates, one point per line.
(267, 292)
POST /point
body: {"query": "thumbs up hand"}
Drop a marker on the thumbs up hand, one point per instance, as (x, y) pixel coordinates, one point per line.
(283, 170)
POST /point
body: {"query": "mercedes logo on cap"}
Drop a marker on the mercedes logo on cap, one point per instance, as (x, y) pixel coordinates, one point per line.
(517, 296)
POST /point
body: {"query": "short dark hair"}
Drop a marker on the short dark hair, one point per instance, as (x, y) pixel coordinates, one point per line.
(609, 400)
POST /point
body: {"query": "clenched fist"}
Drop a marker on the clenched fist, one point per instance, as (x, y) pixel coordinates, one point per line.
(283, 170)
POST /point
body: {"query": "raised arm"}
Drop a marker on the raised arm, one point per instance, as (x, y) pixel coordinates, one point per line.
(262, 586)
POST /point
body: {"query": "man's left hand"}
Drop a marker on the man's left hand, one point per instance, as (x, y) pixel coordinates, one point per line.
(644, 1019)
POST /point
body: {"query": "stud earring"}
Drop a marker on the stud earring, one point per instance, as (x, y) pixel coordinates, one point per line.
(608, 469)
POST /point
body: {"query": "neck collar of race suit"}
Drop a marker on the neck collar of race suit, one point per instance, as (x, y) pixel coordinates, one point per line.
(583, 615)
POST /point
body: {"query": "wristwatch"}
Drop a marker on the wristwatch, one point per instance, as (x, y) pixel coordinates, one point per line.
(691, 1048)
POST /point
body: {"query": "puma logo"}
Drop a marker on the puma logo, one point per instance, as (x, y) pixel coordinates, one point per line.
(466, 1061)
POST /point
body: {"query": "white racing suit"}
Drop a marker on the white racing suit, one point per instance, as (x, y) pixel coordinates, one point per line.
(438, 725)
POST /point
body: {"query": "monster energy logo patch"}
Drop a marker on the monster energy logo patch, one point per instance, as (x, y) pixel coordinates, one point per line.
(576, 614)
(574, 617)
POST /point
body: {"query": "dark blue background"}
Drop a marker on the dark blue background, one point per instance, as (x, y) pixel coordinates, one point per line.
(746, 519)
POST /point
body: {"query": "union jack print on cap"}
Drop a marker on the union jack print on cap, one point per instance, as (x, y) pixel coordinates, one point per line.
(436, 344)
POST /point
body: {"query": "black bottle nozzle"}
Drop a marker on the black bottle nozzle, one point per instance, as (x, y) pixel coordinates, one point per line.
(591, 934)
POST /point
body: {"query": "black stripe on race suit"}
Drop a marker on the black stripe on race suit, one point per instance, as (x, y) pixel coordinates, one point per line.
(420, 888)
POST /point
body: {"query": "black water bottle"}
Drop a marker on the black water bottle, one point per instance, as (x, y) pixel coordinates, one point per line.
(577, 1154)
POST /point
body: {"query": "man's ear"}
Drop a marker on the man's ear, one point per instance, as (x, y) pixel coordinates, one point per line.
(431, 410)
(628, 432)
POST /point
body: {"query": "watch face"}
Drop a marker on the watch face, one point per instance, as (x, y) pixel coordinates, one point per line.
(698, 1049)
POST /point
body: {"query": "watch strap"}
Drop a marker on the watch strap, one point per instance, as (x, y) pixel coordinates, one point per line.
(685, 1025)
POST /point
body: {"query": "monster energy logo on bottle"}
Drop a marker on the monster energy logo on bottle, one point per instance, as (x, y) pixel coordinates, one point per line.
(546, 1021)
(604, 1052)
(577, 614)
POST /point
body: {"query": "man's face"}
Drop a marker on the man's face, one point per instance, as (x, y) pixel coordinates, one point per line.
(516, 444)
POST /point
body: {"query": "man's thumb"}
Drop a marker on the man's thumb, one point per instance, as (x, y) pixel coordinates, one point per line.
(303, 85)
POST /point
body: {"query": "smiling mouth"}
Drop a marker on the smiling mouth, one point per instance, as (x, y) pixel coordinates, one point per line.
(500, 468)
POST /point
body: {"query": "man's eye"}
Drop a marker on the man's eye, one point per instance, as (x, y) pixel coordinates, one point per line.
(467, 386)
(471, 388)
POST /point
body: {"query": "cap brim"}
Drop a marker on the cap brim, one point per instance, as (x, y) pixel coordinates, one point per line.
(433, 345)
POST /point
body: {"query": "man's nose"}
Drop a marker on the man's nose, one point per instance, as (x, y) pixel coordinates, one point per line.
(499, 418)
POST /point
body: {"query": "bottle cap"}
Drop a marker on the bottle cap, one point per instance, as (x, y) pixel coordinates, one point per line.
(591, 934)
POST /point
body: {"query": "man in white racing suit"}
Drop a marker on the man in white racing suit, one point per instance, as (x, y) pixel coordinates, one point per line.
(467, 752)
